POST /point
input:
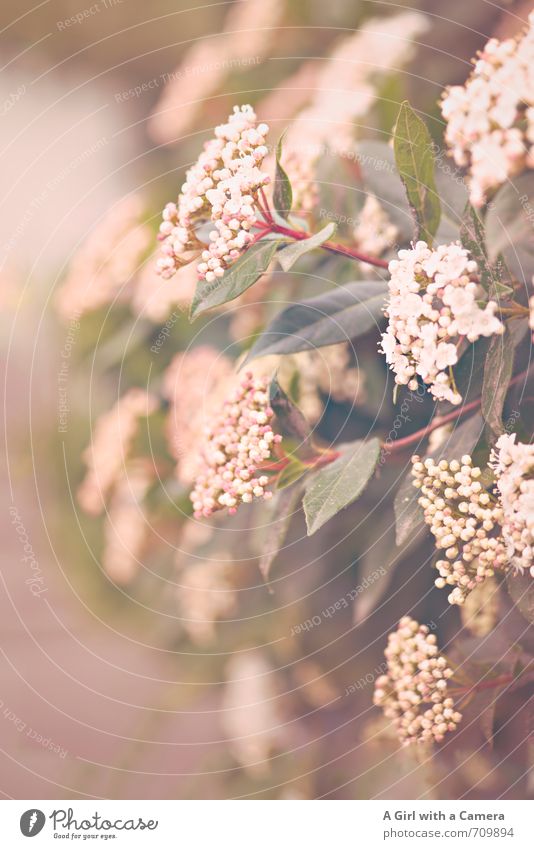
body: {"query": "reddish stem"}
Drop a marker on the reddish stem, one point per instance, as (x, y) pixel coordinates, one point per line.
(439, 421)
(333, 247)
(323, 459)
(500, 681)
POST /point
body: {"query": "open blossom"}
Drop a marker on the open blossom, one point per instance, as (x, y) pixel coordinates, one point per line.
(490, 119)
(237, 442)
(221, 186)
(110, 445)
(107, 259)
(432, 307)
(413, 692)
(513, 463)
(465, 520)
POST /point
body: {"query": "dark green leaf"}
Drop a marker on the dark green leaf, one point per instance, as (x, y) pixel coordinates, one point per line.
(341, 314)
(474, 240)
(510, 226)
(289, 255)
(415, 162)
(290, 422)
(239, 277)
(380, 176)
(521, 589)
(336, 486)
(453, 196)
(293, 472)
(283, 193)
(497, 375)
(282, 508)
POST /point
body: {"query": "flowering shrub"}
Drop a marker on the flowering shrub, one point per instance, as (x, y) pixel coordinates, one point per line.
(291, 406)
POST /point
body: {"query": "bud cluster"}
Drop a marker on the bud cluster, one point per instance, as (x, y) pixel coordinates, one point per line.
(413, 692)
(465, 521)
(236, 443)
(513, 464)
(221, 186)
(432, 307)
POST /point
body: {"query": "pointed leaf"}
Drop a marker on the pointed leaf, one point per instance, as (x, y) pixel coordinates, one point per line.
(237, 279)
(284, 506)
(415, 162)
(290, 422)
(339, 484)
(497, 375)
(335, 316)
(521, 589)
(289, 255)
(283, 193)
(380, 176)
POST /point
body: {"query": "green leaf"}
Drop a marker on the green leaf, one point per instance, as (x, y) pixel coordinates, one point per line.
(453, 196)
(336, 486)
(473, 239)
(283, 193)
(510, 226)
(497, 374)
(379, 171)
(521, 589)
(292, 472)
(408, 513)
(290, 422)
(239, 277)
(282, 508)
(412, 145)
(336, 316)
(289, 255)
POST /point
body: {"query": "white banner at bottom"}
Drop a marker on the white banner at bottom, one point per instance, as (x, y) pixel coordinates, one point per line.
(267, 824)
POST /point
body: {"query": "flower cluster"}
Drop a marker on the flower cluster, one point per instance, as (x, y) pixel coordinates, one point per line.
(490, 119)
(205, 595)
(413, 692)
(126, 527)
(513, 463)
(107, 260)
(465, 521)
(480, 611)
(432, 306)
(111, 442)
(195, 385)
(343, 91)
(221, 186)
(249, 29)
(238, 441)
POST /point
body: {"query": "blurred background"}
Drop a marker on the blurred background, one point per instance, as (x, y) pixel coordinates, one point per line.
(145, 658)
